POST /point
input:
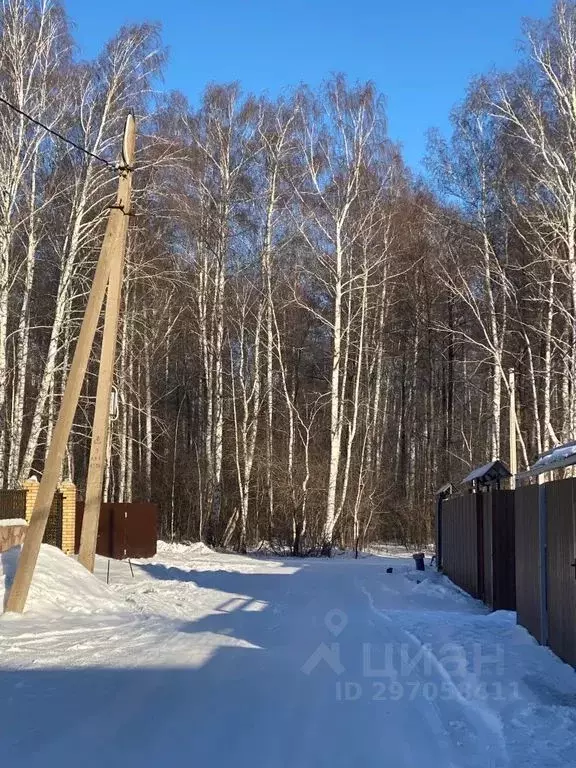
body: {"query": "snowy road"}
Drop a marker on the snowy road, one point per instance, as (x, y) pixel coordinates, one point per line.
(219, 660)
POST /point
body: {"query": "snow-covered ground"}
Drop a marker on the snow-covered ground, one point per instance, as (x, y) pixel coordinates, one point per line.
(216, 660)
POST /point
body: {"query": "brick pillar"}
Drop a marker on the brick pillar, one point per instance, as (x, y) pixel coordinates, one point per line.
(68, 491)
(31, 487)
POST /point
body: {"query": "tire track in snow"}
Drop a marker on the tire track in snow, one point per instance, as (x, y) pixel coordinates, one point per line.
(485, 723)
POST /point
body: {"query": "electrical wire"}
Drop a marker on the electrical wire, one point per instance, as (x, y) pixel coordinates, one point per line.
(79, 147)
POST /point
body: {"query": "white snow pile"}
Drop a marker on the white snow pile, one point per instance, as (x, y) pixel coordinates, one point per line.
(12, 521)
(193, 549)
(435, 585)
(60, 584)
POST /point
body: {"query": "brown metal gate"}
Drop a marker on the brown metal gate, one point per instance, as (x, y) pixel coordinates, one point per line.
(561, 581)
(140, 529)
(124, 530)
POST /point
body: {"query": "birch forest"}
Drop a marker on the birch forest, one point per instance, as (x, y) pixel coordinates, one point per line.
(312, 339)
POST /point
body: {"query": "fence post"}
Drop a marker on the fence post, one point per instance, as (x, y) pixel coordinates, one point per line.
(68, 491)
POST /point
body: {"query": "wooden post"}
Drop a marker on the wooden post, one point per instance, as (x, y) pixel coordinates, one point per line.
(512, 428)
(98, 446)
(113, 238)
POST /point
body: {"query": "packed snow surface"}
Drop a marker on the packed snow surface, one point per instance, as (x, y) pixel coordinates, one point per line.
(210, 659)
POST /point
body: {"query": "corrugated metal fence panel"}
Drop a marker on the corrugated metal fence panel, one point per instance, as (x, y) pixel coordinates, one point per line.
(488, 504)
(460, 559)
(561, 587)
(478, 546)
(527, 560)
(480, 557)
(503, 555)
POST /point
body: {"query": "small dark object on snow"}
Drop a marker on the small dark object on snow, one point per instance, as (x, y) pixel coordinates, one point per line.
(419, 560)
(418, 581)
(389, 570)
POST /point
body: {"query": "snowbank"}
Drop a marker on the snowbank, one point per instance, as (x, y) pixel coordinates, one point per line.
(441, 589)
(191, 548)
(60, 584)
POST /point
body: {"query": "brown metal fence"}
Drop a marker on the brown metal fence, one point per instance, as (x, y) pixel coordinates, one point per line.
(545, 563)
(462, 542)
(124, 530)
(518, 549)
(527, 545)
(499, 555)
(477, 531)
(560, 576)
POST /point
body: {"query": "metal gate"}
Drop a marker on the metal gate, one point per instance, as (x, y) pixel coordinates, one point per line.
(53, 532)
(124, 530)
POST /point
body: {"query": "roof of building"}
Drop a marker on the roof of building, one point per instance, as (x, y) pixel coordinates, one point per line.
(556, 458)
(488, 473)
(445, 490)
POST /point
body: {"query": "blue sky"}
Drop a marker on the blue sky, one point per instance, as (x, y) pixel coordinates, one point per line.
(421, 54)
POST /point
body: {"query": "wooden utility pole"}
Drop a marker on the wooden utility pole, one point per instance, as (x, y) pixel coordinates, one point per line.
(111, 247)
(100, 429)
(512, 428)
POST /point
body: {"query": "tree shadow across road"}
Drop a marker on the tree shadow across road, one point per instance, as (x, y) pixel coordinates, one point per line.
(247, 703)
(254, 696)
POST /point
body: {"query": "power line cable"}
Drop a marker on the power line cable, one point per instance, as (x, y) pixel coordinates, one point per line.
(113, 166)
